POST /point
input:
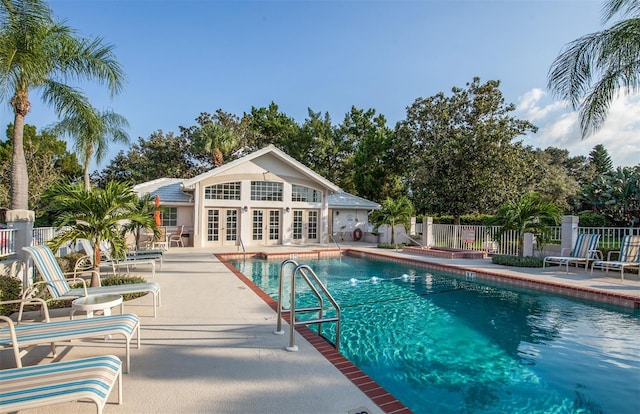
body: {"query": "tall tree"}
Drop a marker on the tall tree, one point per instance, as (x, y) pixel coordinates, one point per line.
(47, 158)
(600, 159)
(38, 53)
(463, 160)
(216, 140)
(270, 126)
(161, 155)
(92, 136)
(375, 167)
(593, 69)
(328, 150)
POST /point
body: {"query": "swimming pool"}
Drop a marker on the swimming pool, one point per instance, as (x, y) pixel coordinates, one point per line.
(442, 344)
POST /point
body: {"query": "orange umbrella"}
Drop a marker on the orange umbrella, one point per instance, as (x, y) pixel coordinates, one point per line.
(156, 214)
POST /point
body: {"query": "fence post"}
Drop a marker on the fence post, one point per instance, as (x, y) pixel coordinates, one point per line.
(527, 249)
(568, 232)
(22, 222)
(427, 231)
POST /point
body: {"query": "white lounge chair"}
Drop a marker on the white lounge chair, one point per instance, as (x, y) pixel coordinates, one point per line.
(628, 257)
(25, 336)
(43, 385)
(584, 250)
(107, 260)
(58, 284)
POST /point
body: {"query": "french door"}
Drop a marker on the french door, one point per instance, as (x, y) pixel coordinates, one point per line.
(305, 226)
(266, 226)
(222, 226)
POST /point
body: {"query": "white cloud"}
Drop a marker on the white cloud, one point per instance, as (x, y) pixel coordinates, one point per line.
(558, 126)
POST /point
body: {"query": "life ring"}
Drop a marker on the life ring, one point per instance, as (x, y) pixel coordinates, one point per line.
(357, 234)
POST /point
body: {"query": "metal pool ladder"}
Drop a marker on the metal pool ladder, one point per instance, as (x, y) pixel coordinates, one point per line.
(314, 283)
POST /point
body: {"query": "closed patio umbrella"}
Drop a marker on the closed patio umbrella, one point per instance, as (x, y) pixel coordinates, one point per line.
(156, 214)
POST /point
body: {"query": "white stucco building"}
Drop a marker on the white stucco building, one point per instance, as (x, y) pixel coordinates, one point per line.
(264, 198)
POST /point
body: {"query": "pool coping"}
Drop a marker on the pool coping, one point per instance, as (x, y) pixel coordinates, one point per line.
(381, 397)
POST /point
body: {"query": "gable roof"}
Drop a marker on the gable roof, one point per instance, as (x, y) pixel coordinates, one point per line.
(272, 150)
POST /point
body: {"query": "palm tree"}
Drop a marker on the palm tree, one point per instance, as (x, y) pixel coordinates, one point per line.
(592, 69)
(394, 212)
(216, 139)
(530, 214)
(92, 136)
(145, 207)
(95, 215)
(38, 53)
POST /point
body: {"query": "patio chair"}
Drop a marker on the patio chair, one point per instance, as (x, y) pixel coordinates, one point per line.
(177, 238)
(163, 242)
(628, 257)
(58, 284)
(584, 250)
(107, 260)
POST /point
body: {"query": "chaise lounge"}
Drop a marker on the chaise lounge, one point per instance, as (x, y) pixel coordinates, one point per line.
(584, 250)
(24, 336)
(43, 385)
(58, 284)
(628, 257)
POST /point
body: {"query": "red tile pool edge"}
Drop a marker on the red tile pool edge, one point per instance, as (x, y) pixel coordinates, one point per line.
(383, 399)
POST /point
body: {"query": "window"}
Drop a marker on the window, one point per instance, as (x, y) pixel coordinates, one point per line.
(266, 191)
(313, 225)
(302, 193)
(258, 222)
(224, 191)
(213, 225)
(170, 216)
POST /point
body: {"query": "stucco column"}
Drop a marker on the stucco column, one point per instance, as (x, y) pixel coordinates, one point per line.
(427, 231)
(569, 232)
(528, 244)
(22, 222)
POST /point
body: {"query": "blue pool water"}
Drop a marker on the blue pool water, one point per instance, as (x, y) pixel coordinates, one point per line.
(442, 344)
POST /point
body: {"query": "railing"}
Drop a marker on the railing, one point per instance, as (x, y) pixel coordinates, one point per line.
(313, 282)
(610, 237)
(475, 238)
(339, 248)
(7, 242)
(411, 239)
(244, 250)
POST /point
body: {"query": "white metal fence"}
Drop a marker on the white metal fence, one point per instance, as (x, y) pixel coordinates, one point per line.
(7, 242)
(475, 238)
(610, 237)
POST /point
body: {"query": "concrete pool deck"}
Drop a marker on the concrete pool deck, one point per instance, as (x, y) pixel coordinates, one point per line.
(211, 347)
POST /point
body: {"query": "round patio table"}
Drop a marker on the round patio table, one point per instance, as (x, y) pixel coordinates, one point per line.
(92, 303)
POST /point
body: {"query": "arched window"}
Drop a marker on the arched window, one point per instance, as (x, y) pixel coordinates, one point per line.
(305, 194)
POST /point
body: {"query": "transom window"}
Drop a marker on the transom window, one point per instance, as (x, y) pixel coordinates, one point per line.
(224, 191)
(302, 193)
(266, 191)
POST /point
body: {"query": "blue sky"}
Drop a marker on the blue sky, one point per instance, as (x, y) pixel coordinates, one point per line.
(186, 57)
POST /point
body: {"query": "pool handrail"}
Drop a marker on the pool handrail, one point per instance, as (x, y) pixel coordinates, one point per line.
(305, 271)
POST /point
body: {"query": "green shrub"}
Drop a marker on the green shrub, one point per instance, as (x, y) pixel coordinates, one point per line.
(526, 261)
(467, 219)
(590, 219)
(124, 280)
(10, 289)
(67, 263)
(390, 246)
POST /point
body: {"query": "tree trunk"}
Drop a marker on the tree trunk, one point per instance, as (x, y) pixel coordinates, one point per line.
(95, 276)
(217, 157)
(19, 175)
(87, 162)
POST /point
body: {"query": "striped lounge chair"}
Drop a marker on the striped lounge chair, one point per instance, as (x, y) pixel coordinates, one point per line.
(58, 284)
(628, 257)
(43, 385)
(584, 250)
(24, 336)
